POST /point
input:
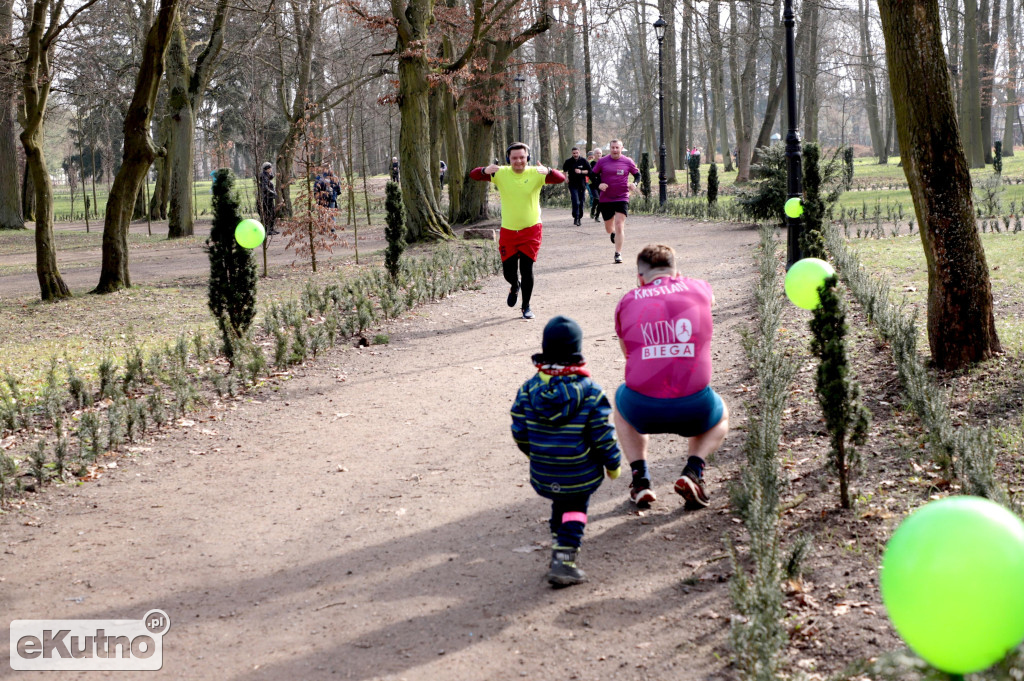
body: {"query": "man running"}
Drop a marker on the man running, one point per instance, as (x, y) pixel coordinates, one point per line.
(594, 156)
(521, 229)
(613, 173)
(577, 170)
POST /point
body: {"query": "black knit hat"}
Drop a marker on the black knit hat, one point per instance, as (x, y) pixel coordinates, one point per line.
(563, 342)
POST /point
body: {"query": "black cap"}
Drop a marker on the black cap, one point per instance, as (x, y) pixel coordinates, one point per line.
(563, 342)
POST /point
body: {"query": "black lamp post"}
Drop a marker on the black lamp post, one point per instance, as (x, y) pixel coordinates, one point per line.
(794, 173)
(519, 80)
(659, 31)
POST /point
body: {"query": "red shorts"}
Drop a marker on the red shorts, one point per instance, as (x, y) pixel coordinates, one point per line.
(525, 241)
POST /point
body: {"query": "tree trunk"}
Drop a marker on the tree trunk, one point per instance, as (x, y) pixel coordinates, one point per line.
(953, 49)
(1013, 70)
(961, 325)
(682, 138)
(179, 139)
(775, 84)
(10, 202)
(161, 187)
(810, 12)
(668, 11)
(870, 85)
(587, 85)
(28, 194)
(743, 85)
(139, 152)
(35, 95)
(988, 41)
(718, 85)
(970, 98)
(423, 211)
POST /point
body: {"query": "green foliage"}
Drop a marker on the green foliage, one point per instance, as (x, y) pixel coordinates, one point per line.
(997, 159)
(232, 286)
(394, 231)
(37, 464)
(713, 183)
(694, 169)
(763, 198)
(645, 175)
(988, 195)
(8, 470)
(845, 417)
(812, 243)
(758, 634)
(847, 168)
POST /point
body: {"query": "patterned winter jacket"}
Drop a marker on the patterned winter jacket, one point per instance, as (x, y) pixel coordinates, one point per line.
(563, 424)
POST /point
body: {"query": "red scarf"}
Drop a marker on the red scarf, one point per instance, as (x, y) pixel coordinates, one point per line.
(562, 369)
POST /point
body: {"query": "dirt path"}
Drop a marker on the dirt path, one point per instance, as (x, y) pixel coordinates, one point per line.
(372, 519)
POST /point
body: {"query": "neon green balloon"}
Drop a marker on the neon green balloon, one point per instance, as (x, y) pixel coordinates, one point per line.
(249, 233)
(953, 582)
(794, 207)
(804, 279)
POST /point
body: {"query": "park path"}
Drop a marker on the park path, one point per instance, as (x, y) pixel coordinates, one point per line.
(371, 518)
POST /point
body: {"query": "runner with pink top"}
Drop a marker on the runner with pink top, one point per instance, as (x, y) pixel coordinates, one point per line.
(612, 172)
(665, 328)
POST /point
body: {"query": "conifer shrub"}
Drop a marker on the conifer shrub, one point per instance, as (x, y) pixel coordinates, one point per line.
(845, 417)
(394, 231)
(645, 175)
(812, 243)
(713, 183)
(232, 287)
(847, 168)
(694, 168)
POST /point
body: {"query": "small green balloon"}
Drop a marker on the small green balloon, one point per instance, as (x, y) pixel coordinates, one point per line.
(249, 233)
(953, 582)
(804, 279)
(794, 207)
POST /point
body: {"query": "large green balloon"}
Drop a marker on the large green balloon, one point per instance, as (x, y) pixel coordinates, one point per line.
(804, 279)
(953, 582)
(249, 233)
(794, 207)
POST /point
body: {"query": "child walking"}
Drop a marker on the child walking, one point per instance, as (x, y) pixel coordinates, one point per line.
(560, 420)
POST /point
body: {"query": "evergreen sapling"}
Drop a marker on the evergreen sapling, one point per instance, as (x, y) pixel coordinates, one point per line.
(232, 287)
(694, 166)
(839, 396)
(394, 231)
(645, 175)
(713, 184)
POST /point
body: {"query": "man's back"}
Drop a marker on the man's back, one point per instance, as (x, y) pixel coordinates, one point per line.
(666, 327)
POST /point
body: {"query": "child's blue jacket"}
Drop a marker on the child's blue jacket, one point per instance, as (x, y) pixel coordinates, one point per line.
(563, 424)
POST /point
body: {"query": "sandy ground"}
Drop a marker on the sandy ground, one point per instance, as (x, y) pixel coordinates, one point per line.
(371, 518)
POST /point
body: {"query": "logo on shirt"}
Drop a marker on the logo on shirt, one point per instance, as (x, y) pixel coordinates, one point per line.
(666, 339)
(620, 171)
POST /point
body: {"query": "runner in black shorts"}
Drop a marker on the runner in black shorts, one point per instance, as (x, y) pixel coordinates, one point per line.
(613, 173)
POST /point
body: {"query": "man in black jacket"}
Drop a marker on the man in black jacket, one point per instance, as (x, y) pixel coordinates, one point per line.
(268, 198)
(576, 170)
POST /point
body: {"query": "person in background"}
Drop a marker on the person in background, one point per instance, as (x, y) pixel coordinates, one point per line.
(613, 172)
(268, 198)
(577, 170)
(394, 169)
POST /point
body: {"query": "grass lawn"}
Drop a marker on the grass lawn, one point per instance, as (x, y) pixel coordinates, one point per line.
(901, 260)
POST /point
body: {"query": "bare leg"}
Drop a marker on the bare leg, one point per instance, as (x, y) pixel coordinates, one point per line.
(620, 228)
(634, 444)
(704, 445)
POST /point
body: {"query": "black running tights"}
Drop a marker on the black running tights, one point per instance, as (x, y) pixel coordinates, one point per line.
(525, 267)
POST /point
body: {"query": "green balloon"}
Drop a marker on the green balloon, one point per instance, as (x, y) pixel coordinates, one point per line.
(249, 233)
(794, 207)
(804, 279)
(953, 582)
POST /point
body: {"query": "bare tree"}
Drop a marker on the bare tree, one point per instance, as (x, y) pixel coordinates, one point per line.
(10, 202)
(139, 152)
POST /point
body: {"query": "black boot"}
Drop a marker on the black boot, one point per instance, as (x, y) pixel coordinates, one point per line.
(563, 570)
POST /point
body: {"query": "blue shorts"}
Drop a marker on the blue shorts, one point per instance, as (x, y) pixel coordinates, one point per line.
(688, 416)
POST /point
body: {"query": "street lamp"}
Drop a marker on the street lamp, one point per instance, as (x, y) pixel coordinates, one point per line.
(519, 80)
(659, 31)
(794, 180)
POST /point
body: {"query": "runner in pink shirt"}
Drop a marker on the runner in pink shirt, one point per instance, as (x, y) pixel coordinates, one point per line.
(664, 327)
(612, 172)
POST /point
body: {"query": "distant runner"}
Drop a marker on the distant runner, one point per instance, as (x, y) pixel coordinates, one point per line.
(612, 172)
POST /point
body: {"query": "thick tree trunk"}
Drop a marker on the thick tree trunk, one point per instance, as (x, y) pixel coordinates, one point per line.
(1013, 71)
(162, 186)
(961, 325)
(139, 152)
(28, 194)
(810, 12)
(682, 138)
(180, 128)
(775, 85)
(473, 202)
(587, 84)
(743, 85)
(953, 48)
(668, 11)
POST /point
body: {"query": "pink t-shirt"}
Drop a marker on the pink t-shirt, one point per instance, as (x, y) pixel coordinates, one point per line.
(615, 173)
(666, 327)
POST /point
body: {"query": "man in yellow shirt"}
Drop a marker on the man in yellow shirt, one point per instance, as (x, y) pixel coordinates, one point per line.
(521, 230)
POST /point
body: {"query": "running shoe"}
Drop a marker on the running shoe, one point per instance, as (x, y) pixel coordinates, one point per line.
(640, 492)
(690, 486)
(527, 313)
(618, 258)
(513, 295)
